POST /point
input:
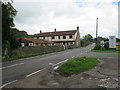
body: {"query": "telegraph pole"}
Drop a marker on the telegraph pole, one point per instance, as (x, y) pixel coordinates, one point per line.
(96, 29)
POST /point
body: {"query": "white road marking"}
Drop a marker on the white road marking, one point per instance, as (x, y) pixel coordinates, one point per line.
(12, 66)
(55, 67)
(34, 72)
(8, 83)
(45, 58)
(50, 64)
(73, 56)
(44, 68)
(60, 62)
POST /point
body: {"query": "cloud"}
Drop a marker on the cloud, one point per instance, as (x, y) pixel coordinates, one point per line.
(67, 15)
(80, 3)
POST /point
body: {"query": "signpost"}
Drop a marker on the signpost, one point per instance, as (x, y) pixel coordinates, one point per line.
(102, 44)
(112, 42)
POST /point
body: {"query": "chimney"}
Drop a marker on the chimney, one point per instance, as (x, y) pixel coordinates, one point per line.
(77, 27)
(55, 29)
(40, 31)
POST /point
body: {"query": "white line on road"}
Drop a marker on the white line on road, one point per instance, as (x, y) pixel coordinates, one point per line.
(73, 56)
(60, 62)
(34, 72)
(46, 57)
(12, 66)
(8, 83)
(44, 68)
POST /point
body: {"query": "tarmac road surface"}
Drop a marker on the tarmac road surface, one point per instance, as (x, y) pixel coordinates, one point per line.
(18, 69)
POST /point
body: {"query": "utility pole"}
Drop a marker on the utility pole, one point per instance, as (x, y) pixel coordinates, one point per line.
(96, 29)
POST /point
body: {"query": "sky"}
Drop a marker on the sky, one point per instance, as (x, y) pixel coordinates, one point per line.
(46, 15)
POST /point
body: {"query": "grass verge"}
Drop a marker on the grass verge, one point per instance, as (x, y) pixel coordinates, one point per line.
(29, 55)
(77, 65)
(106, 51)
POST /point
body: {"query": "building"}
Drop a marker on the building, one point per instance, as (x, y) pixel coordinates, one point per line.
(69, 37)
(34, 42)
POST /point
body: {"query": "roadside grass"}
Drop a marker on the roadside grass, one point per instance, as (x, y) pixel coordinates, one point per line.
(29, 55)
(32, 54)
(106, 51)
(77, 65)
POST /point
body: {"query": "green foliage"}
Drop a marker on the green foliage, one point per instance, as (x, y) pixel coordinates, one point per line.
(106, 51)
(19, 34)
(87, 39)
(97, 46)
(117, 39)
(77, 65)
(30, 36)
(9, 40)
(84, 42)
(99, 39)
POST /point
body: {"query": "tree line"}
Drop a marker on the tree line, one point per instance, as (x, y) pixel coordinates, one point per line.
(10, 35)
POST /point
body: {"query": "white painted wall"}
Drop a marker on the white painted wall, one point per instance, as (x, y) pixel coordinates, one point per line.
(31, 44)
(61, 38)
(40, 37)
(23, 44)
(35, 37)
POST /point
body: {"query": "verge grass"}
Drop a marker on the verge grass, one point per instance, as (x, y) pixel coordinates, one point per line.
(106, 51)
(29, 55)
(77, 65)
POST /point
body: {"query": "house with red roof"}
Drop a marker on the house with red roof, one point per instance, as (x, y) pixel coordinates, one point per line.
(67, 37)
(34, 42)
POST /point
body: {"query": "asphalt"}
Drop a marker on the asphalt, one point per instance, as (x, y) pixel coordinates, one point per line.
(104, 75)
(19, 69)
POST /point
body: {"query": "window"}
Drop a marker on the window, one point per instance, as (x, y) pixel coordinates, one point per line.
(70, 36)
(58, 37)
(43, 37)
(53, 37)
(64, 37)
(67, 43)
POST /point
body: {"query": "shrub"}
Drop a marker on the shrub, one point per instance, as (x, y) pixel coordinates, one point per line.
(97, 47)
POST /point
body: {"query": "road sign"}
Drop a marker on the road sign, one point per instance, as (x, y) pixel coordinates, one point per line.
(102, 44)
(112, 42)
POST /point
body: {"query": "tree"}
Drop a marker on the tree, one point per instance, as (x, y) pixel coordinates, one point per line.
(17, 33)
(88, 37)
(8, 14)
(118, 39)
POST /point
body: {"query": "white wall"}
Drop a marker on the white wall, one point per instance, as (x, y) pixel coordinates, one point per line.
(61, 38)
(23, 44)
(31, 44)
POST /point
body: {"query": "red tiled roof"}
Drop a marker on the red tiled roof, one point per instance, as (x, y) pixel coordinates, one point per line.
(36, 40)
(57, 33)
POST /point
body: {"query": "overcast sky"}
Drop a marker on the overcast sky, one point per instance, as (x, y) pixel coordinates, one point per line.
(45, 15)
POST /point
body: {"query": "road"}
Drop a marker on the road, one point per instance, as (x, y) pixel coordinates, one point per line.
(18, 69)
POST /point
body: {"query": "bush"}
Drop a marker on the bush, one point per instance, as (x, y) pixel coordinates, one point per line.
(85, 42)
(97, 47)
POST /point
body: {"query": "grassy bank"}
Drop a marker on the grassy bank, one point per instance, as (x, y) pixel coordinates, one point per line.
(106, 51)
(77, 65)
(29, 55)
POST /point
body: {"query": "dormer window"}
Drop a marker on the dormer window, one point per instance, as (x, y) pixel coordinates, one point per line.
(64, 37)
